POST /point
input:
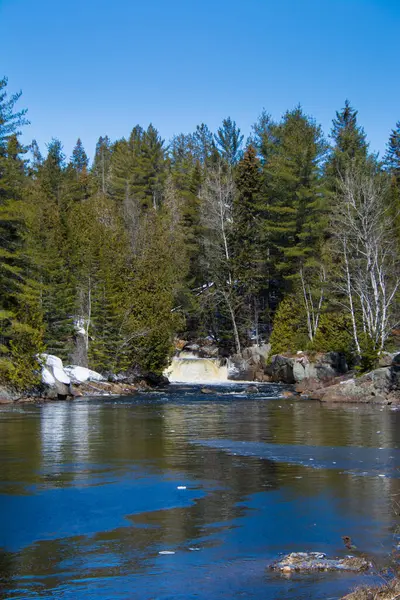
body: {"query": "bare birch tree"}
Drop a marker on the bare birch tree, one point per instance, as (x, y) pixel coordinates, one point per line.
(313, 289)
(369, 276)
(217, 196)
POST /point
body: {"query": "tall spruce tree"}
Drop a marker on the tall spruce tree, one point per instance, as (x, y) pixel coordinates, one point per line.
(246, 236)
(229, 141)
(101, 163)
(20, 316)
(392, 164)
(350, 147)
(293, 201)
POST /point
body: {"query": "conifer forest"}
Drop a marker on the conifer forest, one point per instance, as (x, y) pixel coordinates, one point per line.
(291, 236)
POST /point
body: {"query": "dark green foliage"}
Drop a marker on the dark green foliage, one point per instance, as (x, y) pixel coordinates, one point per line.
(246, 234)
(18, 364)
(369, 355)
(229, 141)
(195, 238)
(289, 333)
(293, 206)
(349, 145)
(10, 120)
(334, 334)
(392, 157)
(392, 164)
(79, 159)
(101, 163)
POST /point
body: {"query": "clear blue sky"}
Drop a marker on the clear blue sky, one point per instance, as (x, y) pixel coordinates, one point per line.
(88, 68)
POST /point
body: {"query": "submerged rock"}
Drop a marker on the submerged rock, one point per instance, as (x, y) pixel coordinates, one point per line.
(307, 562)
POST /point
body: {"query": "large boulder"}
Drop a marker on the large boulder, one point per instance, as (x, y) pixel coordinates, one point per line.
(381, 386)
(294, 369)
(55, 380)
(82, 374)
(240, 369)
(281, 369)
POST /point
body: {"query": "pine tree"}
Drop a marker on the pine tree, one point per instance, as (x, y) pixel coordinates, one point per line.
(246, 235)
(203, 144)
(293, 200)
(349, 145)
(79, 159)
(20, 316)
(46, 208)
(229, 141)
(101, 163)
(77, 177)
(392, 164)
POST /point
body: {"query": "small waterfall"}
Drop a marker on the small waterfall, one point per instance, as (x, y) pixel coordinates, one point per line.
(188, 368)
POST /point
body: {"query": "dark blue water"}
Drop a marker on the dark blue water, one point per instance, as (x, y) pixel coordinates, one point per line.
(177, 494)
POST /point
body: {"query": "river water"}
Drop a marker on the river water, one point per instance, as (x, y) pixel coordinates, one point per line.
(177, 494)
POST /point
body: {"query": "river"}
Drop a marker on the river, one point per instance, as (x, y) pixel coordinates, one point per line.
(175, 494)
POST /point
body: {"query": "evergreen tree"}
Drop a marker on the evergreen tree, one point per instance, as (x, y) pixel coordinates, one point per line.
(79, 159)
(392, 164)
(246, 235)
(203, 143)
(229, 141)
(293, 200)
(77, 177)
(349, 144)
(101, 163)
(20, 317)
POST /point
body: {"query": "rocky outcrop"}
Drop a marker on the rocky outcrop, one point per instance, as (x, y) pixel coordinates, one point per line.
(377, 387)
(381, 386)
(250, 365)
(55, 381)
(309, 562)
(293, 369)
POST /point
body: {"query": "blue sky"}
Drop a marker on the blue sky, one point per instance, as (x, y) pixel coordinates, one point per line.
(94, 68)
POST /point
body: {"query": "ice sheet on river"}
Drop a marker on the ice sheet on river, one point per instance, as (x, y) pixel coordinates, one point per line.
(354, 460)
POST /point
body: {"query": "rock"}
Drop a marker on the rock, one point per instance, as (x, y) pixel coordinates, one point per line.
(49, 360)
(7, 396)
(306, 562)
(56, 382)
(281, 369)
(82, 374)
(294, 369)
(252, 389)
(380, 386)
(61, 376)
(155, 380)
(47, 377)
(240, 369)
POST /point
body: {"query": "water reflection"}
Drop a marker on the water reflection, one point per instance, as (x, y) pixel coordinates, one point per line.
(89, 494)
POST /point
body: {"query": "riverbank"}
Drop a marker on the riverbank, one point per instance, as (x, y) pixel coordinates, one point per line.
(98, 389)
(389, 591)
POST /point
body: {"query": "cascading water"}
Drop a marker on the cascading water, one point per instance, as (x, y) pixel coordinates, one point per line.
(189, 368)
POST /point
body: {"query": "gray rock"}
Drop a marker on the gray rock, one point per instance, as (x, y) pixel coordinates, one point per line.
(308, 562)
(281, 369)
(286, 369)
(252, 389)
(240, 369)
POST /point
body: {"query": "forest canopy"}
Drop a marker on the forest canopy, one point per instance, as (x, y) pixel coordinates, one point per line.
(291, 236)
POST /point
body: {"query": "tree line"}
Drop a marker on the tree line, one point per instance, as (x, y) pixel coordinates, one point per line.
(288, 237)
